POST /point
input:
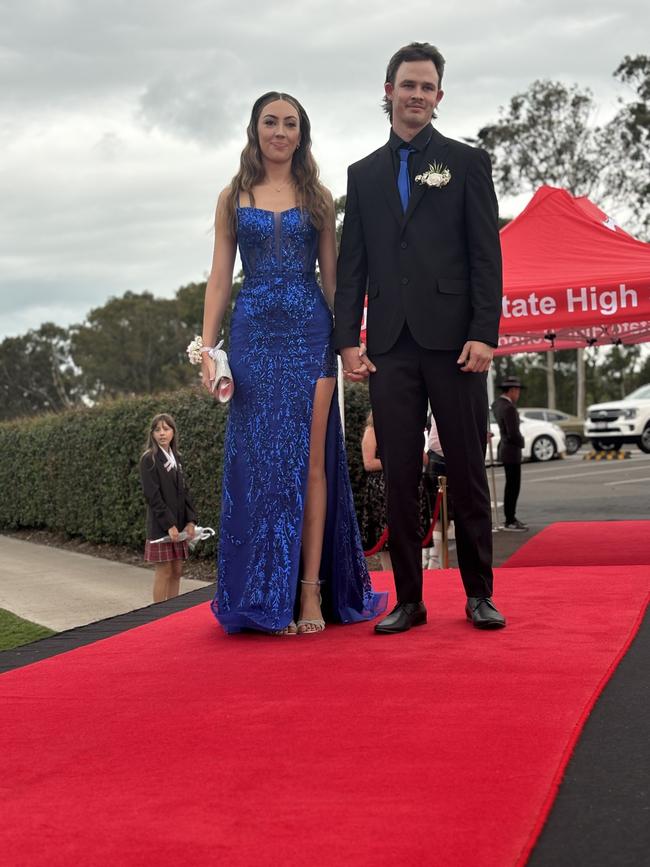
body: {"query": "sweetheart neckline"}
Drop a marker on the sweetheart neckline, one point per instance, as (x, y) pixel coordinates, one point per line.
(266, 210)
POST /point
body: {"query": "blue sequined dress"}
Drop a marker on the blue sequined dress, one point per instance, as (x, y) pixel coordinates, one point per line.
(279, 347)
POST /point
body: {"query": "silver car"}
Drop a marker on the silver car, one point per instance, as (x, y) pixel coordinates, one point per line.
(570, 424)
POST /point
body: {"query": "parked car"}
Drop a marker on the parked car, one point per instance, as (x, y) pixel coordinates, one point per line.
(610, 425)
(572, 426)
(543, 441)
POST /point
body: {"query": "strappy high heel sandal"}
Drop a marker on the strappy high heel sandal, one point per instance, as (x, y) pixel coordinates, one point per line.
(291, 629)
(305, 626)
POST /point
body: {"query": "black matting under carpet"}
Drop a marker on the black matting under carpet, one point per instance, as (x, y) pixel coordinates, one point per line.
(72, 638)
(601, 816)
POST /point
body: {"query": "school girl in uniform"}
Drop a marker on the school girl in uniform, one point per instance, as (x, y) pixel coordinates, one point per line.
(170, 510)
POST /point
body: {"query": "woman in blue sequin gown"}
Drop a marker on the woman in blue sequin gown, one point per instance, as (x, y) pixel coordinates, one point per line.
(288, 526)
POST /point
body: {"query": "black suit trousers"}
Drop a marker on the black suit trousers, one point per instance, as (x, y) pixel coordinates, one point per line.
(406, 376)
(511, 492)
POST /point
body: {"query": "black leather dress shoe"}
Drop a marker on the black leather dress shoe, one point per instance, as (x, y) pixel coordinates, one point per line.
(483, 613)
(402, 617)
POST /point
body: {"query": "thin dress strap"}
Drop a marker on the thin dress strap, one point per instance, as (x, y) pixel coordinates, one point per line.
(237, 215)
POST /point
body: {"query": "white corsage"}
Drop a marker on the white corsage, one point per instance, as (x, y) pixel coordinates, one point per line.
(437, 176)
(195, 350)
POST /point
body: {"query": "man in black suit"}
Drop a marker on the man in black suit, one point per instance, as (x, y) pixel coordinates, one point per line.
(511, 443)
(421, 234)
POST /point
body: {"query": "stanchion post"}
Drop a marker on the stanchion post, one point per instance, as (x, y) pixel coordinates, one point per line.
(495, 509)
(491, 377)
(444, 541)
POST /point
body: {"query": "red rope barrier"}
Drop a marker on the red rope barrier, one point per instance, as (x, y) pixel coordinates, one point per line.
(380, 544)
(425, 542)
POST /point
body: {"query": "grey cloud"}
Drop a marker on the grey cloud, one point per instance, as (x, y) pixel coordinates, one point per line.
(194, 68)
(196, 104)
(121, 120)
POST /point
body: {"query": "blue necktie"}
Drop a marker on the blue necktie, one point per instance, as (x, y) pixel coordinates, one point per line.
(403, 179)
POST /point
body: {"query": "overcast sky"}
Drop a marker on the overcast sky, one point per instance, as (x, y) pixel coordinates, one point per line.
(120, 121)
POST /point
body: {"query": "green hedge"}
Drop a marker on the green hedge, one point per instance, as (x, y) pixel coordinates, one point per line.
(77, 472)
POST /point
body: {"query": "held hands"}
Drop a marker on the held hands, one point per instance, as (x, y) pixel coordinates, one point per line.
(190, 529)
(475, 357)
(356, 364)
(173, 533)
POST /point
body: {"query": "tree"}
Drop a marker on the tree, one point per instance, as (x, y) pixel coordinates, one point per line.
(618, 369)
(190, 300)
(136, 344)
(189, 303)
(643, 374)
(531, 368)
(547, 136)
(615, 374)
(626, 138)
(132, 345)
(37, 373)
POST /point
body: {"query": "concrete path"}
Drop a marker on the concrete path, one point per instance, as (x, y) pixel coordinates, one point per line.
(62, 589)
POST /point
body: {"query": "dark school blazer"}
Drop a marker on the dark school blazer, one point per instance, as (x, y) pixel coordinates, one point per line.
(169, 503)
(436, 268)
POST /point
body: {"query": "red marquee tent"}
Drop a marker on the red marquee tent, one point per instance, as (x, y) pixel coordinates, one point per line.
(571, 278)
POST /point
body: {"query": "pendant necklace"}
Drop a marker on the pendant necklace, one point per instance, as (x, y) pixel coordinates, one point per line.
(281, 187)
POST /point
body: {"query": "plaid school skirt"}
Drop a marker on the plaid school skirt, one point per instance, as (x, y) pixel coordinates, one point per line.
(164, 552)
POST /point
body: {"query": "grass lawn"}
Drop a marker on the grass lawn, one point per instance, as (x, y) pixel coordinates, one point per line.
(15, 631)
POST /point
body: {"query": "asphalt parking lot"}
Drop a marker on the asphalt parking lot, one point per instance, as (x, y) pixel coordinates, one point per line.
(574, 489)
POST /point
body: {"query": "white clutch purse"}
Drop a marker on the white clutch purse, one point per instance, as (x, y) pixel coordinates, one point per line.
(222, 386)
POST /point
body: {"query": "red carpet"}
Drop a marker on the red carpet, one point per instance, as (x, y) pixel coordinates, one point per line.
(582, 543)
(174, 745)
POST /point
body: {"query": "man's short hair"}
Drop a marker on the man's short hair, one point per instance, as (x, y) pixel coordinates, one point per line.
(412, 51)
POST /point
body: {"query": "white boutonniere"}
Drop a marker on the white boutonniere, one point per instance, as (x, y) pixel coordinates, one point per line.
(437, 176)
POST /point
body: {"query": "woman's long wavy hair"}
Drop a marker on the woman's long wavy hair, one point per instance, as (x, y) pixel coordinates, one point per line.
(310, 193)
(151, 446)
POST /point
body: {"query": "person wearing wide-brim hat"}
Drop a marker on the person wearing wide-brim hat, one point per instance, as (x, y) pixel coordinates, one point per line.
(510, 448)
(511, 382)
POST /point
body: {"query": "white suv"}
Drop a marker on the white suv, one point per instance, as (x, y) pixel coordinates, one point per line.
(610, 425)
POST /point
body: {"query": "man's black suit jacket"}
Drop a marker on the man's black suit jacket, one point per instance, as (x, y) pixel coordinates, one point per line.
(436, 268)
